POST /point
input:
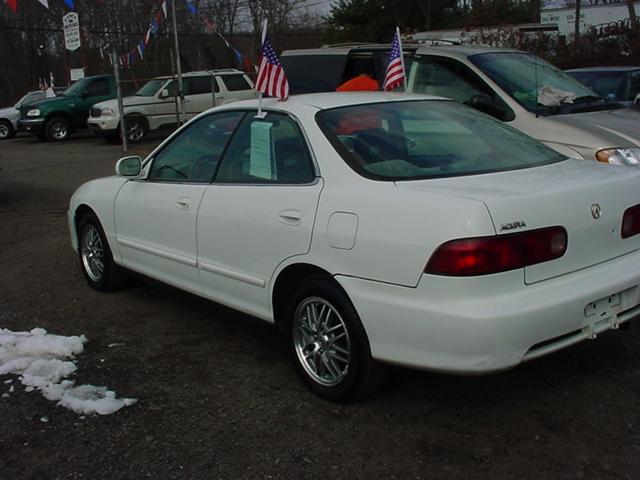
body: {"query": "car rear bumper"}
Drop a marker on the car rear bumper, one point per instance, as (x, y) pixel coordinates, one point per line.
(31, 125)
(483, 324)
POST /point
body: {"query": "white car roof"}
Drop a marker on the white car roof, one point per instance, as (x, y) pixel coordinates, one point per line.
(322, 101)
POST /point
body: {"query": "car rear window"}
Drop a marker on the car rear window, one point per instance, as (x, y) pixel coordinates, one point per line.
(412, 140)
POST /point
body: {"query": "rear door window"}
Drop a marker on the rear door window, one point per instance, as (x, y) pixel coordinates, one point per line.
(235, 83)
(198, 85)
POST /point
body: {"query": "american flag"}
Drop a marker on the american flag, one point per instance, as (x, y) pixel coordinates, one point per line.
(395, 71)
(271, 78)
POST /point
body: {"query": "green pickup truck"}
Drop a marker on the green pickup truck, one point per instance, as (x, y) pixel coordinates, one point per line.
(56, 118)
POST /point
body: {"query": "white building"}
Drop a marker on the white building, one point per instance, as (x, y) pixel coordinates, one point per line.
(557, 12)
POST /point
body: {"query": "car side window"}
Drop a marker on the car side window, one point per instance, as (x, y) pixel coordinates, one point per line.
(269, 150)
(235, 83)
(193, 156)
(199, 85)
(98, 87)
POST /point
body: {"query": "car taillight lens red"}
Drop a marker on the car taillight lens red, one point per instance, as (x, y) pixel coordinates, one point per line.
(631, 222)
(484, 255)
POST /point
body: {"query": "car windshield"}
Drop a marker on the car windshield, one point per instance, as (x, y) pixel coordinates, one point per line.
(21, 101)
(525, 77)
(150, 88)
(75, 89)
(423, 139)
(608, 84)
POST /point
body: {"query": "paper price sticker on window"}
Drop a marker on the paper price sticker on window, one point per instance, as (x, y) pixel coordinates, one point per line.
(261, 163)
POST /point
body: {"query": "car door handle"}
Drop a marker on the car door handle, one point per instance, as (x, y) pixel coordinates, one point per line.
(290, 217)
(183, 203)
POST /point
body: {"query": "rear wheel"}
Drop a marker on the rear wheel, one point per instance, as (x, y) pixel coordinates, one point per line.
(57, 129)
(6, 130)
(329, 345)
(96, 259)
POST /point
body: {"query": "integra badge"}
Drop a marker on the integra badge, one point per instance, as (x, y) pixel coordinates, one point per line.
(512, 225)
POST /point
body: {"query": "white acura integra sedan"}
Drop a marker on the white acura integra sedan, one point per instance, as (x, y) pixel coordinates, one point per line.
(373, 229)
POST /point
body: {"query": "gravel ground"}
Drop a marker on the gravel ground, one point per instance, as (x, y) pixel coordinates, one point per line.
(218, 397)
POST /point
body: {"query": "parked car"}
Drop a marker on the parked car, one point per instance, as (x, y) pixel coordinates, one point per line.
(9, 116)
(375, 228)
(621, 84)
(54, 119)
(154, 107)
(501, 82)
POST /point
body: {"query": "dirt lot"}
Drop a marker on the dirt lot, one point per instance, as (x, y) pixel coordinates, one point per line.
(218, 397)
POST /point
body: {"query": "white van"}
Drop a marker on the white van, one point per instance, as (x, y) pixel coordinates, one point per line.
(154, 106)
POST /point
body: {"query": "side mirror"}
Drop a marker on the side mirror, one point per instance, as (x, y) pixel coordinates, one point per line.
(129, 167)
(485, 104)
(164, 93)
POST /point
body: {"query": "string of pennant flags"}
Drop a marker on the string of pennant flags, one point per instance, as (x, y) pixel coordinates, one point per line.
(13, 4)
(137, 53)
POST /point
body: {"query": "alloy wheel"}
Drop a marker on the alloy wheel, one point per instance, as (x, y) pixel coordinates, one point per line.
(4, 131)
(59, 130)
(135, 131)
(321, 341)
(92, 252)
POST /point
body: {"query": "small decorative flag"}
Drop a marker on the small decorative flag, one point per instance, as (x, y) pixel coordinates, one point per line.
(191, 8)
(69, 4)
(395, 71)
(141, 49)
(164, 8)
(45, 3)
(271, 77)
(13, 5)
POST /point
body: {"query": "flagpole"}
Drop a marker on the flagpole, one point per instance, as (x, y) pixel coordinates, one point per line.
(264, 35)
(402, 58)
(178, 67)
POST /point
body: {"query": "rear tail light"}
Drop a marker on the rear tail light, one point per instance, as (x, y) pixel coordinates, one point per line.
(484, 255)
(631, 222)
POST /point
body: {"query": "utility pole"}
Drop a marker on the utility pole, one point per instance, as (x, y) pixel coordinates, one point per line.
(178, 67)
(116, 75)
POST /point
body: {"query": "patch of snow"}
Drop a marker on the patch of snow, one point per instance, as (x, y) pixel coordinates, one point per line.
(44, 361)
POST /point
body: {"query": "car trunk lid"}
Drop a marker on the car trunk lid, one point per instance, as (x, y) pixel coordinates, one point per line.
(586, 198)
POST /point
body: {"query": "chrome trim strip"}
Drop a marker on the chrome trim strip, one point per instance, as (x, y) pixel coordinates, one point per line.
(242, 277)
(191, 262)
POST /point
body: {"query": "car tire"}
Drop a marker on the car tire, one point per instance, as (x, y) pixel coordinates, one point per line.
(137, 128)
(329, 345)
(96, 260)
(57, 129)
(6, 130)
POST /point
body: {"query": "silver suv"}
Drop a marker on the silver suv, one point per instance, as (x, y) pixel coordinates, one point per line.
(153, 106)
(501, 82)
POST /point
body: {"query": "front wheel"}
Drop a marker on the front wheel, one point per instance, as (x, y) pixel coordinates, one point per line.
(57, 129)
(6, 130)
(329, 345)
(137, 128)
(96, 259)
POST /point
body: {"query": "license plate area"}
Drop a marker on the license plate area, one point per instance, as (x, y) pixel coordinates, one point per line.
(603, 308)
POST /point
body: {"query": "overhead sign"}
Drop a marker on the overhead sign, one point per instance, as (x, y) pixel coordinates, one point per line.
(71, 27)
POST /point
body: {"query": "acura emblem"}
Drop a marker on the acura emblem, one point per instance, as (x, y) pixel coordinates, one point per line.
(596, 211)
